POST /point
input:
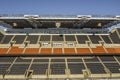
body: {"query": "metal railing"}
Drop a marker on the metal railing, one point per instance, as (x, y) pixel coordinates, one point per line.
(56, 15)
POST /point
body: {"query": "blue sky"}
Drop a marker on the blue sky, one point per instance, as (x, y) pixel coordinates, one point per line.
(103, 7)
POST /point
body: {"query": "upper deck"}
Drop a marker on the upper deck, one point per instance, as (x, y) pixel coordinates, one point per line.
(58, 21)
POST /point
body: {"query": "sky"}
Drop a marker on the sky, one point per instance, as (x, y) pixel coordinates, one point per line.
(66, 7)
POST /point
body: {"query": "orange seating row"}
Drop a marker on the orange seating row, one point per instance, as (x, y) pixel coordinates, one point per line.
(98, 49)
(16, 50)
(31, 50)
(83, 50)
(3, 50)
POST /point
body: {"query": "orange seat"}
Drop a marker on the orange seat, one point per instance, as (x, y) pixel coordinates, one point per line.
(117, 50)
(57, 50)
(69, 50)
(98, 49)
(111, 50)
(16, 50)
(3, 50)
(83, 50)
(46, 50)
(31, 50)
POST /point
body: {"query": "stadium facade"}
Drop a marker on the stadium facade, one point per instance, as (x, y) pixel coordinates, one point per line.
(59, 47)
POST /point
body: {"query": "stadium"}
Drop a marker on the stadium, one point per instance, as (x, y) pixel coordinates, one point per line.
(59, 47)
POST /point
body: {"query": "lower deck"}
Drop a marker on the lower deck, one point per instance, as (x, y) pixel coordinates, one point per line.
(69, 67)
